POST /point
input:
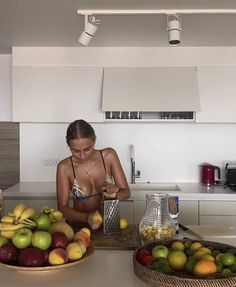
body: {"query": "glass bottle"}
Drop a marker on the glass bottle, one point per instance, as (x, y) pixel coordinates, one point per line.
(157, 223)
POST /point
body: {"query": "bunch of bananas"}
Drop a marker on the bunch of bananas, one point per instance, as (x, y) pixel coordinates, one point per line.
(20, 217)
(55, 215)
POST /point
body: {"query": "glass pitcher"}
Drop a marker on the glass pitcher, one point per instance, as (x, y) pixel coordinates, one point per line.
(157, 223)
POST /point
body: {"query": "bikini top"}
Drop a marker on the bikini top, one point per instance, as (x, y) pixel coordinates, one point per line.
(77, 191)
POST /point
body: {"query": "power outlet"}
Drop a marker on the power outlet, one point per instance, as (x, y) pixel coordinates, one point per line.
(50, 161)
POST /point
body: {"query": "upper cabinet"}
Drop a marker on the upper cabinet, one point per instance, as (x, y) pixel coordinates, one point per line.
(217, 91)
(56, 93)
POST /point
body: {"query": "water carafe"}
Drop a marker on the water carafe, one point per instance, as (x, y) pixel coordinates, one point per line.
(157, 223)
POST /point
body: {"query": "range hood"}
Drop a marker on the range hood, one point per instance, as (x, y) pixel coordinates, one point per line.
(150, 89)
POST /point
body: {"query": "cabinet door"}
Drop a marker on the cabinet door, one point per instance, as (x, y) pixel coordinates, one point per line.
(56, 94)
(188, 212)
(126, 210)
(217, 88)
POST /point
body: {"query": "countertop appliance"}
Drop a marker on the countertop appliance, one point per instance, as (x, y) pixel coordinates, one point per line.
(230, 175)
(209, 174)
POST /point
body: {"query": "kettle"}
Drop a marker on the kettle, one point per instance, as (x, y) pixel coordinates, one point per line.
(208, 174)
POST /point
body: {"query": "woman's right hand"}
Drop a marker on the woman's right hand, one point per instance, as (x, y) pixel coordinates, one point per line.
(94, 220)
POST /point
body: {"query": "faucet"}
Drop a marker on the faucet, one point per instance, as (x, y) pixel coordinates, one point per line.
(134, 173)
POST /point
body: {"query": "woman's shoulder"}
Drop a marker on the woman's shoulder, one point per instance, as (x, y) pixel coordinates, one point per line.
(109, 153)
(64, 163)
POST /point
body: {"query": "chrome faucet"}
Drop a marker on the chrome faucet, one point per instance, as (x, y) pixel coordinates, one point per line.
(134, 173)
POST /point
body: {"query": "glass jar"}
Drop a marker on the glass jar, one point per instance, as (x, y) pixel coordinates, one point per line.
(157, 223)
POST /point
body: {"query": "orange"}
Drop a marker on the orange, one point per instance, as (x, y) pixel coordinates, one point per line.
(204, 268)
(177, 259)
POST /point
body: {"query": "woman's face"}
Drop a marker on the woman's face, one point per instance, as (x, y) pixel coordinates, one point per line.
(82, 149)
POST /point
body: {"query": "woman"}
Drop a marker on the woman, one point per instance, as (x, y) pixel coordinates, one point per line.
(89, 174)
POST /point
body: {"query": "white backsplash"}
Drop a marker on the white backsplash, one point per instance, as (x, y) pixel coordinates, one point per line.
(163, 152)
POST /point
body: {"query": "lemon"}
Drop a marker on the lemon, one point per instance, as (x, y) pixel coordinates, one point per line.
(196, 245)
(123, 223)
(177, 245)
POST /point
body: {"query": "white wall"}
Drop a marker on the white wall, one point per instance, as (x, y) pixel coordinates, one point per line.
(163, 152)
(5, 88)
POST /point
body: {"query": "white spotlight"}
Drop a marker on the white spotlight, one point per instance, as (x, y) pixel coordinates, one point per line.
(173, 28)
(89, 30)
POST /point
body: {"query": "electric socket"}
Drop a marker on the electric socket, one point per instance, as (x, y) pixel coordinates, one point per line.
(50, 161)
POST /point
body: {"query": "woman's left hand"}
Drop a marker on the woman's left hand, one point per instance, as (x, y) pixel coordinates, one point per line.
(110, 190)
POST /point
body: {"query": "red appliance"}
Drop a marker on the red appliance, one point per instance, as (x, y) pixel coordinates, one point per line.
(208, 174)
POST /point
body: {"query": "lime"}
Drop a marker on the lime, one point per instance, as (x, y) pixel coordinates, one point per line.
(228, 259)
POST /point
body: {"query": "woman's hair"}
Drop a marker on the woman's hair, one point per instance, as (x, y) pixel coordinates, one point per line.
(79, 129)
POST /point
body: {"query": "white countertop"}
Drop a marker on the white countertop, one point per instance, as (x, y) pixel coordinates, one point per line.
(103, 268)
(187, 191)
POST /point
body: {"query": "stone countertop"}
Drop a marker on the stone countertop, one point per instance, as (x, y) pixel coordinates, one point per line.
(185, 191)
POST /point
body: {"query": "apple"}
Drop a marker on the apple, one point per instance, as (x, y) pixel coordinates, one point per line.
(160, 251)
(22, 238)
(59, 240)
(31, 257)
(3, 240)
(58, 256)
(8, 253)
(43, 221)
(81, 236)
(141, 254)
(46, 255)
(41, 239)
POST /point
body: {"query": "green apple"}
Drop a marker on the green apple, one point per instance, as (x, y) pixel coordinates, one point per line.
(41, 239)
(160, 251)
(22, 238)
(3, 240)
(43, 221)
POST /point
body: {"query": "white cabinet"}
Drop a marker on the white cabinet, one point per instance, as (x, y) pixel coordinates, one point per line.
(217, 213)
(56, 93)
(217, 91)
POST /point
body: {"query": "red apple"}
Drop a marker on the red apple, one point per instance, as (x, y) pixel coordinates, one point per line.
(8, 253)
(31, 257)
(142, 253)
(59, 240)
(46, 255)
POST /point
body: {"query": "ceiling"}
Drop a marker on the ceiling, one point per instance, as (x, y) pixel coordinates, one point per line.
(55, 23)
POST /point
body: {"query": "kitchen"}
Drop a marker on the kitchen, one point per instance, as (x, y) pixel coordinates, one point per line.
(164, 152)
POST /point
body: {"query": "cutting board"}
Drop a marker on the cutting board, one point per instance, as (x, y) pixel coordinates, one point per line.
(127, 239)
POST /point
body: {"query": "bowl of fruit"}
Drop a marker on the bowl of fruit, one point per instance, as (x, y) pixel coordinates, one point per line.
(186, 263)
(41, 241)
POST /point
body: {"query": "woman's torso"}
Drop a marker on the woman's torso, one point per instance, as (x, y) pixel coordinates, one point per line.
(86, 183)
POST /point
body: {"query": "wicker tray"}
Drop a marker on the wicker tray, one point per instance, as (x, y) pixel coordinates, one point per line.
(155, 278)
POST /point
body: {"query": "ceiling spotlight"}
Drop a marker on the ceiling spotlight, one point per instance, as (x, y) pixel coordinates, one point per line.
(173, 28)
(89, 30)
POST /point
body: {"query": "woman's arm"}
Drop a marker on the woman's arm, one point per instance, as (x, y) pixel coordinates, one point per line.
(120, 189)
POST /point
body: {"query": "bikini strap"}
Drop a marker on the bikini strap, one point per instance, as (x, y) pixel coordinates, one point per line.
(72, 167)
(103, 162)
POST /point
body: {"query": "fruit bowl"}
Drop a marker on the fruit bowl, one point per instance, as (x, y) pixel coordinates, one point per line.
(179, 278)
(89, 252)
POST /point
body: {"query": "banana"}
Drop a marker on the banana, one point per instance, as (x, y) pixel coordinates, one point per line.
(47, 210)
(57, 215)
(26, 214)
(8, 233)
(7, 219)
(11, 227)
(18, 209)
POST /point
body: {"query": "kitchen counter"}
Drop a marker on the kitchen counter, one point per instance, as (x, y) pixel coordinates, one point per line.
(185, 191)
(103, 268)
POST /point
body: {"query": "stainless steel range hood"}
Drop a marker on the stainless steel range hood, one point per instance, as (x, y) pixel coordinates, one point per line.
(150, 89)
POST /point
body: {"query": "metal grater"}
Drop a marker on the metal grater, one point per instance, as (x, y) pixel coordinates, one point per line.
(111, 216)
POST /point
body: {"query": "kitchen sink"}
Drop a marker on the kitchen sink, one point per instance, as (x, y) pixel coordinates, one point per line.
(154, 186)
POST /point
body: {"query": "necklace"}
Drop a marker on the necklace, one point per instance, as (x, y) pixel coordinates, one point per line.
(85, 170)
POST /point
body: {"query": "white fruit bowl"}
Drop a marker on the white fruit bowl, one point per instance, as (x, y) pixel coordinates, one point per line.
(89, 252)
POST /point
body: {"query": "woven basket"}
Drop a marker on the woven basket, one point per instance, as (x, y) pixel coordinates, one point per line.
(155, 278)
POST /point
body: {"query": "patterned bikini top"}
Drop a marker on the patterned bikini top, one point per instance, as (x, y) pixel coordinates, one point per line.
(77, 191)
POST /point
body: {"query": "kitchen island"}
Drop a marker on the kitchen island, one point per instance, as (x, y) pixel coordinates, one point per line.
(103, 268)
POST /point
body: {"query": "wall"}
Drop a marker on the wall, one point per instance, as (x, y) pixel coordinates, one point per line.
(163, 152)
(5, 88)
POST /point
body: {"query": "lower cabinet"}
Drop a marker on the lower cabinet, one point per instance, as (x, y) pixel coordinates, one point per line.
(217, 213)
